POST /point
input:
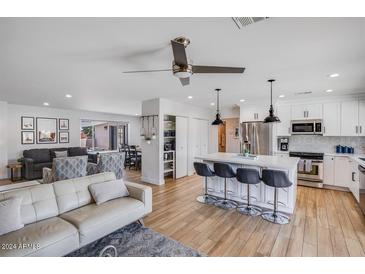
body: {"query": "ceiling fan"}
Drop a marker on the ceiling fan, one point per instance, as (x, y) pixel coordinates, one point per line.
(182, 69)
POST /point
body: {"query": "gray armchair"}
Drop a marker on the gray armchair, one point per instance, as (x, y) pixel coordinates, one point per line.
(109, 162)
(65, 168)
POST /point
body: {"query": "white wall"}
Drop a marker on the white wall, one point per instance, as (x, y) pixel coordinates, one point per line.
(3, 139)
(15, 112)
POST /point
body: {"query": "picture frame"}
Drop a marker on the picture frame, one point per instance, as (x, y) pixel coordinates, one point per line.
(63, 124)
(46, 130)
(27, 123)
(27, 137)
(64, 137)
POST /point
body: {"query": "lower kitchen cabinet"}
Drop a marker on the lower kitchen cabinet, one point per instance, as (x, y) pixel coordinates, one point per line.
(337, 171)
(354, 183)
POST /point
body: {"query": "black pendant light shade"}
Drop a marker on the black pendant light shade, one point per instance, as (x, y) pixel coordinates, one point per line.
(271, 118)
(218, 120)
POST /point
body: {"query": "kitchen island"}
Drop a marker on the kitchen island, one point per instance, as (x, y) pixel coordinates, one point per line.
(261, 195)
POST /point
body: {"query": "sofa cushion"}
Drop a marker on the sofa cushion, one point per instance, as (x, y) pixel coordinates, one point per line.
(74, 193)
(61, 154)
(38, 202)
(10, 219)
(95, 221)
(50, 237)
(53, 151)
(77, 151)
(106, 191)
(39, 155)
(40, 166)
(69, 167)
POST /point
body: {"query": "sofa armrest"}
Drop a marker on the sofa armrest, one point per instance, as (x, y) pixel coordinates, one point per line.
(28, 168)
(141, 193)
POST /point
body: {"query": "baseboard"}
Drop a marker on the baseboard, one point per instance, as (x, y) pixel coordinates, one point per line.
(153, 181)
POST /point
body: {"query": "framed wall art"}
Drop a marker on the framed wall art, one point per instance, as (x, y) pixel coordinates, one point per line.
(46, 130)
(27, 137)
(27, 123)
(63, 124)
(64, 137)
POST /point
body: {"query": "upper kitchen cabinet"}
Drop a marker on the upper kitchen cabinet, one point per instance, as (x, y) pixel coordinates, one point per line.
(284, 114)
(306, 111)
(332, 119)
(362, 117)
(252, 113)
(350, 118)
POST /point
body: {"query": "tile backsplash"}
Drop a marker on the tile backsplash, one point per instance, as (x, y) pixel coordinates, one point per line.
(325, 144)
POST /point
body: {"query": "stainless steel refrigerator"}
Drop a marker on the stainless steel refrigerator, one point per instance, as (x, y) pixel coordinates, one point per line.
(256, 137)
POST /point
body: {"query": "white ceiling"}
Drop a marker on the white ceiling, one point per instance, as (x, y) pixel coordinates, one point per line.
(42, 59)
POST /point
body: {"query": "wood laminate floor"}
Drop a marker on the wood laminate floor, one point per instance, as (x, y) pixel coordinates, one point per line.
(325, 223)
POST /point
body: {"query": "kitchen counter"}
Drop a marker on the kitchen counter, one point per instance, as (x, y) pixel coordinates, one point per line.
(261, 194)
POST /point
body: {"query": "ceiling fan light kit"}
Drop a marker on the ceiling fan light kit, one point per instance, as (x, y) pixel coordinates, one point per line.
(183, 69)
(271, 118)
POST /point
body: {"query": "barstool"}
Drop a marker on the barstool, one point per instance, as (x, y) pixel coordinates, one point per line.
(202, 169)
(249, 176)
(277, 179)
(225, 171)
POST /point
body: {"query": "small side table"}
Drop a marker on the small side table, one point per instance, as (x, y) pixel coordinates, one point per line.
(13, 167)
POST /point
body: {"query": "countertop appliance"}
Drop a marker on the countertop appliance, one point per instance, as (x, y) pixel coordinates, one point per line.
(256, 138)
(283, 144)
(306, 127)
(362, 187)
(310, 168)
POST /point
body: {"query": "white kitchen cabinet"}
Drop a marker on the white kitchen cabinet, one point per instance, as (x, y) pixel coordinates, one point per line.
(252, 113)
(198, 141)
(306, 111)
(329, 170)
(350, 118)
(284, 114)
(354, 183)
(342, 172)
(332, 119)
(362, 118)
(181, 147)
(283, 196)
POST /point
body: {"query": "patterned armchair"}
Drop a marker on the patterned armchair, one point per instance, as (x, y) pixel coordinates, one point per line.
(65, 168)
(109, 162)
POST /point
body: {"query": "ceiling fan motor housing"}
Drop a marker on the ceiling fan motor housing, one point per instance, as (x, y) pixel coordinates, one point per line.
(182, 71)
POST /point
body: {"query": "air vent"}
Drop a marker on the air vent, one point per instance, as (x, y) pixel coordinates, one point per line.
(245, 21)
(303, 93)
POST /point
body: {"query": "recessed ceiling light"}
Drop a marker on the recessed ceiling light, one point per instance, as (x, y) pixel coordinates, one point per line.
(281, 95)
(190, 97)
(333, 75)
(45, 104)
(242, 100)
(329, 90)
(68, 96)
(212, 104)
(136, 114)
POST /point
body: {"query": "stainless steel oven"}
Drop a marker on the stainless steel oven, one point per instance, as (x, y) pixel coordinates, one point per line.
(306, 127)
(310, 168)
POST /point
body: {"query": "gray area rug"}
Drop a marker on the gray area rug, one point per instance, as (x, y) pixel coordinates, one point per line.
(135, 240)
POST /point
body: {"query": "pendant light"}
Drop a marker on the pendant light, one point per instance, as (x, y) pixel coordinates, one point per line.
(218, 120)
(271, 118)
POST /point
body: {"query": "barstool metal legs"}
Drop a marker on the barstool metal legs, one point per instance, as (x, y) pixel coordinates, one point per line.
(206, 198)
(249, 209)
(275, 216)
(225, 203)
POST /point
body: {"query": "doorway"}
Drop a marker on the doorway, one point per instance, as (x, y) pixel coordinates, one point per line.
(222, 137)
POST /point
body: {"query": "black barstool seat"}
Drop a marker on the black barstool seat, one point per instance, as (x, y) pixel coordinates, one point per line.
(277, 179)
(202, 169)
(225, 171)
(249, 176)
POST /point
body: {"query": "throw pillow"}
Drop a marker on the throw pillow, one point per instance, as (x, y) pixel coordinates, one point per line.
(10, 219)
(105, 191)
(60, 154)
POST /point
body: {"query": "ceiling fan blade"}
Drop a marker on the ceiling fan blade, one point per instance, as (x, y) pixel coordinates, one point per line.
(213, 69)
(185, 81)
(179, 54)
(151, 70)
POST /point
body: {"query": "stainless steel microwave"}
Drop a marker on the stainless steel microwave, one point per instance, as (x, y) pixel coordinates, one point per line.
(306, 127)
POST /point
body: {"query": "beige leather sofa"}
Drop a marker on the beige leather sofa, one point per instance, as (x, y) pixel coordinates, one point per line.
(62, 217)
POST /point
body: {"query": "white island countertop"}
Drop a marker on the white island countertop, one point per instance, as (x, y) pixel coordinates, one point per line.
(265, 161)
